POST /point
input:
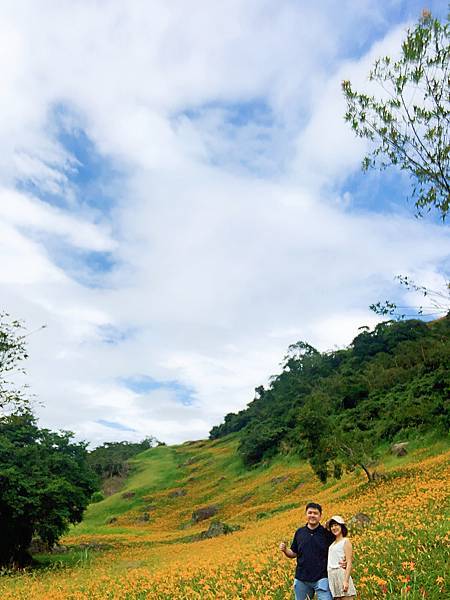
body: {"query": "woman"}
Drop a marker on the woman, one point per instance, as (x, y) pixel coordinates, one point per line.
(339, 580)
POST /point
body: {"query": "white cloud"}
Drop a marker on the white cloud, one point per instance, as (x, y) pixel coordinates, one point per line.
(28, 212)
(226, 247)
(326, 149)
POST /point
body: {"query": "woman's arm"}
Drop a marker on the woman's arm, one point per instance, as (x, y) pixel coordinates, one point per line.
(348, 551)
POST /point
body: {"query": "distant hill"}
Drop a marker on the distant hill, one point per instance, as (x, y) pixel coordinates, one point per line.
(335, 408)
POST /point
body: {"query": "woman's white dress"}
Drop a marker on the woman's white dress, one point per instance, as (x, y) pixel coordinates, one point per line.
(336, 573)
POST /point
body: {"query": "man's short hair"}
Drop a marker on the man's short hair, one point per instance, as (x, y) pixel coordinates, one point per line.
(314, 505)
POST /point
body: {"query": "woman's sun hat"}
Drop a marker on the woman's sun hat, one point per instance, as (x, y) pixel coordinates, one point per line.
(337, 519)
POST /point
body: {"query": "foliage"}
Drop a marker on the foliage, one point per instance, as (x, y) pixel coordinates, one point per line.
(110, 459)
(12, 354)
(97, 496)
(232, 422)
(408, 121)
(335, 408)
(259, 440)
(333, 444)
(45, 484)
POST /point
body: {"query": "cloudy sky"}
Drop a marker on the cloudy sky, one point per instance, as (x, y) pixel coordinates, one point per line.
(180, 200)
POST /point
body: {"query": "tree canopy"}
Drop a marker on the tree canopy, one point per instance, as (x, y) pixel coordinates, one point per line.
(110, 459)
(45, 484)
(408, 121)
(45, 480)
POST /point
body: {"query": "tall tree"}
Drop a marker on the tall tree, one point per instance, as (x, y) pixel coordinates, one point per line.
(45, 484)
(408, 121)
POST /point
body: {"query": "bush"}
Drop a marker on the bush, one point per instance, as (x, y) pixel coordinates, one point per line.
(97, 497)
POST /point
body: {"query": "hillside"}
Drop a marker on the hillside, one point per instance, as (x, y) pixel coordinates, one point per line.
(336, 408)
(141, 542)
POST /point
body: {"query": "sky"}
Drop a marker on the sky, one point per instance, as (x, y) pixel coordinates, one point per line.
(181, 200)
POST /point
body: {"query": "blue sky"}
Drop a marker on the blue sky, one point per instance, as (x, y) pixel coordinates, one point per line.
(181, 200)
(116, 426)
(142, 384)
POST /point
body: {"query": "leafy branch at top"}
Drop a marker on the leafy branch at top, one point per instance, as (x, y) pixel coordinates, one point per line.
(12, 354)
(408, 122)
(438, 303)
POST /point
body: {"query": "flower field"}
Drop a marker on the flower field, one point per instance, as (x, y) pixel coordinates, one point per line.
(141, 542)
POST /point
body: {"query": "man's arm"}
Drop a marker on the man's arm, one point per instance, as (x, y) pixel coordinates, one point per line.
(287, 551)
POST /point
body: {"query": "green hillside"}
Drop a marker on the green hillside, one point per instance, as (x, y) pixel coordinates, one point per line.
(203, 520)
(135, 543)
(336, 408)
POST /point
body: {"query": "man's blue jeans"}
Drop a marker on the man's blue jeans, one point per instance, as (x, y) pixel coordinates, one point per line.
(304, 590)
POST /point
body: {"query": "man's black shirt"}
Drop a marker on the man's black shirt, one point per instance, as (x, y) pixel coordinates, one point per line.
(311, 547)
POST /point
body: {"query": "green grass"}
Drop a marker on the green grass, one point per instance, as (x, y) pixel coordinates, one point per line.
(74, 558)
(223, 480)
(165, 468)
(151, 471)
(429, 444)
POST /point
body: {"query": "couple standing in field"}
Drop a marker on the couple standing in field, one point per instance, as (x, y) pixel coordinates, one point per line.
(324, 558)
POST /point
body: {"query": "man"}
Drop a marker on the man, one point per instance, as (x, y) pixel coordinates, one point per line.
(310, 548)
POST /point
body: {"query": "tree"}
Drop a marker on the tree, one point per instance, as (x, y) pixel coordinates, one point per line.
(355, 448)
(12, 354)
(332, 445)
(260, 440)
(408, 121)
(45, 484)
(315, 434)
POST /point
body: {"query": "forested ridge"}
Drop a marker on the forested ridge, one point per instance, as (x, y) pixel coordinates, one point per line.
(336, 408)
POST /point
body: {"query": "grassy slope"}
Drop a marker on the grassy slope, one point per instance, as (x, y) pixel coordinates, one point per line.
(148, 558)
(151, 471)
(209, 473)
